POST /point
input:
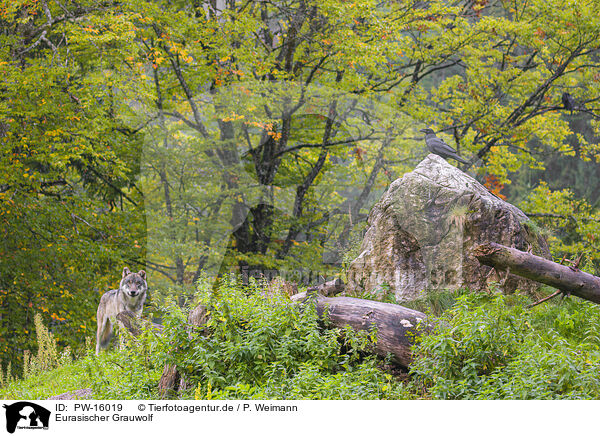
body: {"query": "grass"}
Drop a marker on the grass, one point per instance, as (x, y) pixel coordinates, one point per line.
(107, 375)
(52, 382)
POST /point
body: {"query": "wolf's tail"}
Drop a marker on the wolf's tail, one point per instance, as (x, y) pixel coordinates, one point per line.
(103, 337)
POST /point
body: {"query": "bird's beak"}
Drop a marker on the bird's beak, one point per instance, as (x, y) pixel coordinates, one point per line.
(422, 130)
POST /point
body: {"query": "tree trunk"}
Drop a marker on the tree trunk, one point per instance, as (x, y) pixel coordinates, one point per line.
(568, 279)
(134, 324)
(395, 326)
(171, 380)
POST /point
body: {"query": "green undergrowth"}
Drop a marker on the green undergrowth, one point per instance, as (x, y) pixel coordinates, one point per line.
(493, 347)
(252, 347)
(257, 347)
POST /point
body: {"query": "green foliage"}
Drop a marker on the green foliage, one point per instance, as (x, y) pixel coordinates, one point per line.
(435, 303)
(70, 219)
(130, 373)
(577, 224)
(493, 348)
(46, 360)
(6, 378)
(259, 347)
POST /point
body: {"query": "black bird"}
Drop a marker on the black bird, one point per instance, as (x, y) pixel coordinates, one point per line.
(439, 147)
(568, 102)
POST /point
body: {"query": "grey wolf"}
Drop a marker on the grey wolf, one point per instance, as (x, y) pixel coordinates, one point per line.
(130, 296)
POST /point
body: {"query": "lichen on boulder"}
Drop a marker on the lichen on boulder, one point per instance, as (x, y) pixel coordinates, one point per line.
(421, 234)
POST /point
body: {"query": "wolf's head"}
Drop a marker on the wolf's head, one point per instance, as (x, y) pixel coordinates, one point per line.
(133, 284)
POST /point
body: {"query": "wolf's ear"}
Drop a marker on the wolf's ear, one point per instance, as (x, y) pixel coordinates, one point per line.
(126, 272)
(142, 274)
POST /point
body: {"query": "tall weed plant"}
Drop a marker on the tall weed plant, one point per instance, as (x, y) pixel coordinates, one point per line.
(47, 356)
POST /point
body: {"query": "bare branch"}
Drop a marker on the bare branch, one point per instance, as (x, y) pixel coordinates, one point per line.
(329, 144)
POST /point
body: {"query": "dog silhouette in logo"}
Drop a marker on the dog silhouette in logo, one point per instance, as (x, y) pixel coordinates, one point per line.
(31, 413)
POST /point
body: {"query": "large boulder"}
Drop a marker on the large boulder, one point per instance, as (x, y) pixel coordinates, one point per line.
(421, 234)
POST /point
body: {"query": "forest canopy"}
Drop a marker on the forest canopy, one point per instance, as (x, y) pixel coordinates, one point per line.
(193, 138)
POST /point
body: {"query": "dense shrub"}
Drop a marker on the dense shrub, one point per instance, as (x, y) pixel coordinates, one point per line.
(255, 346)
(492, 348)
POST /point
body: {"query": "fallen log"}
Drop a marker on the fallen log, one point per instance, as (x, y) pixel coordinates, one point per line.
(396, 327)
(170, 381)
(328, 289)
(568, 279)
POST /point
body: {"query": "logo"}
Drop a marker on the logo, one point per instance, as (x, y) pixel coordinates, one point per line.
(26, 415)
